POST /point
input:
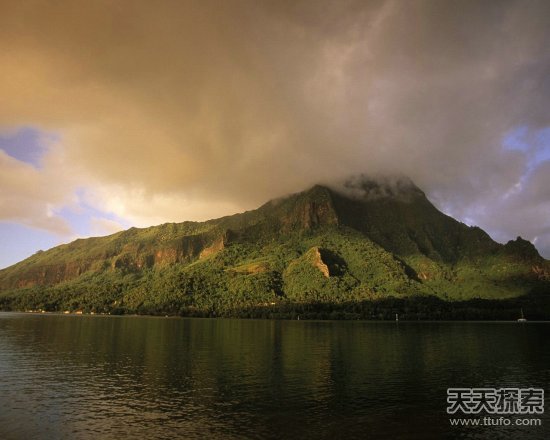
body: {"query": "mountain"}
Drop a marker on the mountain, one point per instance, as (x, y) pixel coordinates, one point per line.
(367, 248)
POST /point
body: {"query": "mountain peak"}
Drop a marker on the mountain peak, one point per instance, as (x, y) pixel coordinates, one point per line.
(522, 247)
(368, 188)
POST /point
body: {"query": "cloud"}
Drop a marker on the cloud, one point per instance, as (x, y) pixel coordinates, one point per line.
(170, 111)
(30, 197)
(516, 210)
(142, 208)
(103, 226)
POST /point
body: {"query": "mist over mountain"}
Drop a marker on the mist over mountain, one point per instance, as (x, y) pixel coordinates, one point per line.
(363, 240)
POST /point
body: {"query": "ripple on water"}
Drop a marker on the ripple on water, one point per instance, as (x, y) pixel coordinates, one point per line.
(67, 377)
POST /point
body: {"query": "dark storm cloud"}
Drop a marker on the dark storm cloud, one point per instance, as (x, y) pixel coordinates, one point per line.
(175, 110)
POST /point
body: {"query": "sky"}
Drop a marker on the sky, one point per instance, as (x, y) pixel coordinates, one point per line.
(134, 113)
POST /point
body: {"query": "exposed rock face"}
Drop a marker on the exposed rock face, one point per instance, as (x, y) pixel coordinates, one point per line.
(52, 273)
(312, 258)
(108, 253)
(541, 273)
(214, 248)
(314, 208)
(319, 211)
(318, 262)
(167, 256)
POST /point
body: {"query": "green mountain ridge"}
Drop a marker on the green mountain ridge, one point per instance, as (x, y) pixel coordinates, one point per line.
(334, 248)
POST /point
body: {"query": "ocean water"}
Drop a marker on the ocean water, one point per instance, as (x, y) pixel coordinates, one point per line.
(106, 377)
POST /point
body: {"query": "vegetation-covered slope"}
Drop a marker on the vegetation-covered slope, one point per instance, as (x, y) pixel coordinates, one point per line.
(335, 249)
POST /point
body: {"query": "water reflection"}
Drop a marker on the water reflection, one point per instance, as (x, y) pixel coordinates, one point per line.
(128, 377)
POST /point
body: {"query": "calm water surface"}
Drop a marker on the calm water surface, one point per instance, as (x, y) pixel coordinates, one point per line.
(136, 377)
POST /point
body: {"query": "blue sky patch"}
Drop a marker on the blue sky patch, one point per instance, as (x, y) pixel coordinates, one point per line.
(27, 144)
(534, 143)
(19, 241)
(80, 217)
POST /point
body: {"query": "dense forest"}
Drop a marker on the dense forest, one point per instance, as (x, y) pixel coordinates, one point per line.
(315, 255)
